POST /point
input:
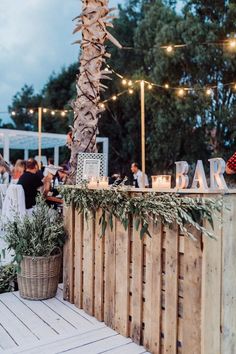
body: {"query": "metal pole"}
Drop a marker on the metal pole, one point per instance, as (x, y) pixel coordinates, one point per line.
(142, 91)
(40, 115)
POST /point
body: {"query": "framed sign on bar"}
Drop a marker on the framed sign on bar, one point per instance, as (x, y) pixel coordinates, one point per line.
(90, 165)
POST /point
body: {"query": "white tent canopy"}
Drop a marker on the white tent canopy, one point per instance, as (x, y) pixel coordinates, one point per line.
(27, 140)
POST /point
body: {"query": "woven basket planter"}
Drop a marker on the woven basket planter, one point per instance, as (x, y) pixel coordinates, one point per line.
(38, 277)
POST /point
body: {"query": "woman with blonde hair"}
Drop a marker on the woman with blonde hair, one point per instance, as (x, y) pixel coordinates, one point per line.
(18, 170)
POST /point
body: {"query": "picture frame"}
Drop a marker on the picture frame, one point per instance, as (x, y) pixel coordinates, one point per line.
(90, 165)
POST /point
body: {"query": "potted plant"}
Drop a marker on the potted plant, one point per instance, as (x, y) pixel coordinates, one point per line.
(37, 241)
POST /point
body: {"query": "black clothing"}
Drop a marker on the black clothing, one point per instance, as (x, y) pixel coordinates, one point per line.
(30, 183)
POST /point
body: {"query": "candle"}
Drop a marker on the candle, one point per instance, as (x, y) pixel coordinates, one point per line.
(103, 182)
(93, 182)
(161, 182)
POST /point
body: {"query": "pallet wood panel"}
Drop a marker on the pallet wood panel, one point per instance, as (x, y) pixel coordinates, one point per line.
(68, 255)
(168, 292)
(88, 270)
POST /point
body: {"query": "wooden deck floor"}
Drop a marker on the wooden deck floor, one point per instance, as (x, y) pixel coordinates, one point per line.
(55, 326)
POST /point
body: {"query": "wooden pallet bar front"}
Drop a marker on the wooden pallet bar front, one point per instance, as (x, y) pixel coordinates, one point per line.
(167, 292)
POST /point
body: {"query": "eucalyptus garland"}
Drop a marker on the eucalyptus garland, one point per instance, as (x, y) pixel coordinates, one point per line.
(168, 208)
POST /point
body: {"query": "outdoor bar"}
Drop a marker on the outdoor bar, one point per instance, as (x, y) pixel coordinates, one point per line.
(168, 292)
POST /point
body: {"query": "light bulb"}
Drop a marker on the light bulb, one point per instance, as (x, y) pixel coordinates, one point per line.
(124, 82)
(114, 98)
(232, 44)
(45, 110)
(131, 91)
(166, 86)
(31, 111)
(149, 86)
(53, 113)
(13, 113)
(208, 92)
(102, 105)
(181, 92)
(169, 49)
(130, 83)
(106, 69)
(63, 114)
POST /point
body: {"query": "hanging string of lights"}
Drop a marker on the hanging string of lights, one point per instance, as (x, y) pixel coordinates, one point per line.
(228, 44)
(31, 111)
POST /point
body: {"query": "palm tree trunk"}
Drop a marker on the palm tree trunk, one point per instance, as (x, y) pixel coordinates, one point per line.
(93, 23)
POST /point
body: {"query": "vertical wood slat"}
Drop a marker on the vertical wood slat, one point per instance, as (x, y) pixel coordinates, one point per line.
(88, 269)
(122, 279)
(152, 340)
(137, 287)
(99, 271)
(228, 320)
(171, 290)
(211, 288)
(78, 271)
(192, 294)
(109, 276)
(68, 255)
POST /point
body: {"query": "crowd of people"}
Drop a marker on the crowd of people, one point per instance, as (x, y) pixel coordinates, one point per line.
(34, 179)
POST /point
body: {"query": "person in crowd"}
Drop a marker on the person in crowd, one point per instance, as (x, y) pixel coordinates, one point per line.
(138, 176)
(231, 165)
(4, 171)
(18, 171)
(31, 182)
(50, 161)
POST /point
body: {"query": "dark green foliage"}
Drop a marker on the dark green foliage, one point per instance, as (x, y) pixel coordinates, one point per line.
(164, 208)
(38, 235)
(195, 127)
(7, 278)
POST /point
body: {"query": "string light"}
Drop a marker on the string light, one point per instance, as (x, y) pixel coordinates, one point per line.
(232, 43)
(131, 91)
(102, 105)
(45, 110)
(53, 113)
(208, 92)
(130, 83)
(114, 98)
(13, 113)
(181, 92)
(63, 114)
(166, 86)
(149, 86)
(124, 82)
(169, 49)
(31, 111)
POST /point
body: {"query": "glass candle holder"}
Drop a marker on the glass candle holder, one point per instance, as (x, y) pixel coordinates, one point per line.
(161, 182)
(93, 182)
(103, 182)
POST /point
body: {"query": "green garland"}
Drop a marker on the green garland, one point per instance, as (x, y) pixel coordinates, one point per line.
(167, 208)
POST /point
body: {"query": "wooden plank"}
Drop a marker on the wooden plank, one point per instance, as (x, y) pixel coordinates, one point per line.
(137, 288)
(16, 329)
(67, 343)
(122, 279)
(228, 321)
(47, 315)
(68, 314)
(80, 312)
(99, 270)
(6, 341)
(171, 290)
(109, 276)
(39, 328)
(192, 294)
(78, 260)
(68, 254)
(152, 305)
(130, 348)
(88, 276)
(211, 288)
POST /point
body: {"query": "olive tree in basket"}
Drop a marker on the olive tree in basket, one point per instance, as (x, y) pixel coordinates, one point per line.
(37, 241)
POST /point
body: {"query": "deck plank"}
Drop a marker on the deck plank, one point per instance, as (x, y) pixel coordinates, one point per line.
(15, 327)
(6, 341)
(39, 328)
(68, 343)
(130, 348)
